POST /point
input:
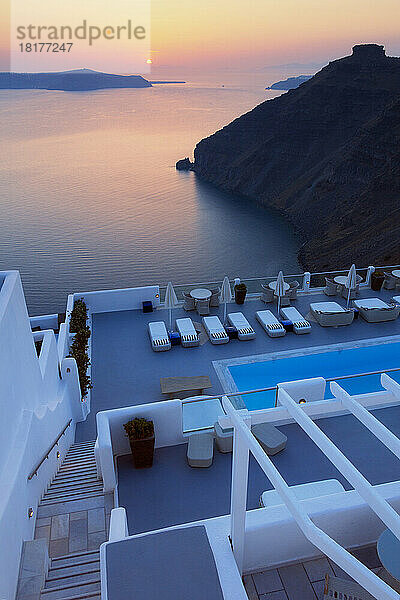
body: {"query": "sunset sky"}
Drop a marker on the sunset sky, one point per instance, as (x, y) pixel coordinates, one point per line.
(210, 34)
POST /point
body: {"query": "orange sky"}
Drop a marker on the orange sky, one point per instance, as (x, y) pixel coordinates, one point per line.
(247, 34)
(267, 32)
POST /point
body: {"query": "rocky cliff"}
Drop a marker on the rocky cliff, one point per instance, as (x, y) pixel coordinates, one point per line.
(327, 155)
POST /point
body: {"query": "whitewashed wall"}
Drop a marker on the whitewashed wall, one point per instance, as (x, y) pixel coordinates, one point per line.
(35, 405)
(112, 440)
(123, 299)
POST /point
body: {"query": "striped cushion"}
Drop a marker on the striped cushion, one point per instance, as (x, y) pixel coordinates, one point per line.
(274, 326)
(218, 334)
(189, 338)
(160, 342)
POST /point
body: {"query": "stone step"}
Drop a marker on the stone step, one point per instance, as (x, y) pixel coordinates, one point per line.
(75, 450)
(66, 570)
(74, 558)
(78, 467)
(83, 577)
(51, 507)
(87, 595)
(74, 479)
(85, 443)
(46, 500)
(79, 456)
(69, 460)
(90, 471)
(70, 486)
(77, 590)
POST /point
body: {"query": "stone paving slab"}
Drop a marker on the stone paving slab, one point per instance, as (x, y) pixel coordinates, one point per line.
(303, 580)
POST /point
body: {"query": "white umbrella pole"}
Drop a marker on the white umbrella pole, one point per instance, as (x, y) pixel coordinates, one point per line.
(170, 319)
(348, 298)
(279, 305)
(225, 307)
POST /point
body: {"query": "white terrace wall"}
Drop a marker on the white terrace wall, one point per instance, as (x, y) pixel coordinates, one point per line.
(117, 300)
(35, 405)
(112, 441)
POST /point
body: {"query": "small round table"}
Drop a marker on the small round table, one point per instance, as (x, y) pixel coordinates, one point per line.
(200, 294)
(388, 548)
(272, 285)
(396, 273)
(340, 279)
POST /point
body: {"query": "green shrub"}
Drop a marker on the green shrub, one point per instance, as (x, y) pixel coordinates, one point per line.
(138, 428)
(78, 316)
(241, 287)
(79, 346)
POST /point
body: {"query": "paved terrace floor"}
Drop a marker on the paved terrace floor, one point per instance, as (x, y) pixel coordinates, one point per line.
(125, 370)
(304, 580)
(171, 492)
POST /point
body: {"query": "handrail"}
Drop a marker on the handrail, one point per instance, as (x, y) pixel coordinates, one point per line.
(275, 387)
(46, 456)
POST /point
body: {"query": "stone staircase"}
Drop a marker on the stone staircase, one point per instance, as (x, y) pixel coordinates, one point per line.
(73, 517)
(73, 577)
(77, 477)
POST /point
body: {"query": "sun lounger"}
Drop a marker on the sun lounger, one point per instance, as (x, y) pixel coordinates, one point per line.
(314, 489)
(244, 329)
(270, 323)
(200, 450)
(189, 336)
(331, 314)
(375, 310)
(300, 325)
(159, 336)
(396, 300)
(215, 330)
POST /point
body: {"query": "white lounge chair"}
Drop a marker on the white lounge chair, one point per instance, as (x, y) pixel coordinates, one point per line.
(396, 300)
(270, 323)
(244, 329)
(215, 330)
(300, 325)
(375, 310)
(331, 314)
(159, 336)
(189, 336)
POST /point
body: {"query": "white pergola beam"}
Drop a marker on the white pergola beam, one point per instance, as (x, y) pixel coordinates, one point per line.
(379, 430)
(316, 536)
(378, 504)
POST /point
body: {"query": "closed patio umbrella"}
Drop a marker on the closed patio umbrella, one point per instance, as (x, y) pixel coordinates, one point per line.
(351, 282)
(226, 295)
(279, 289)
(170, 302)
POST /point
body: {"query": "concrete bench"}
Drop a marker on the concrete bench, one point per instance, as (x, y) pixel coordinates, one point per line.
(200, 450)
(271, 439)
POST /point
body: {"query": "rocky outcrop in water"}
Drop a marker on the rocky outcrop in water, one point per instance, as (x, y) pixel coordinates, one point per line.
(327, 155)
(185, 164)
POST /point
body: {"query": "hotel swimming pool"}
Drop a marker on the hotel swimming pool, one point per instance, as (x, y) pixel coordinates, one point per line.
(328, 362)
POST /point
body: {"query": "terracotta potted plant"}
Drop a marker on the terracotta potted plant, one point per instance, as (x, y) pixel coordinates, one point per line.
(240, 293)
(377, 279)
(141, 438)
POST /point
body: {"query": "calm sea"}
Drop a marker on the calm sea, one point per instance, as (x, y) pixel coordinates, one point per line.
(90, 198)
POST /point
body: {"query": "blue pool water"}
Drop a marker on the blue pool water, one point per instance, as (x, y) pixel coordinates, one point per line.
(328, 364)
